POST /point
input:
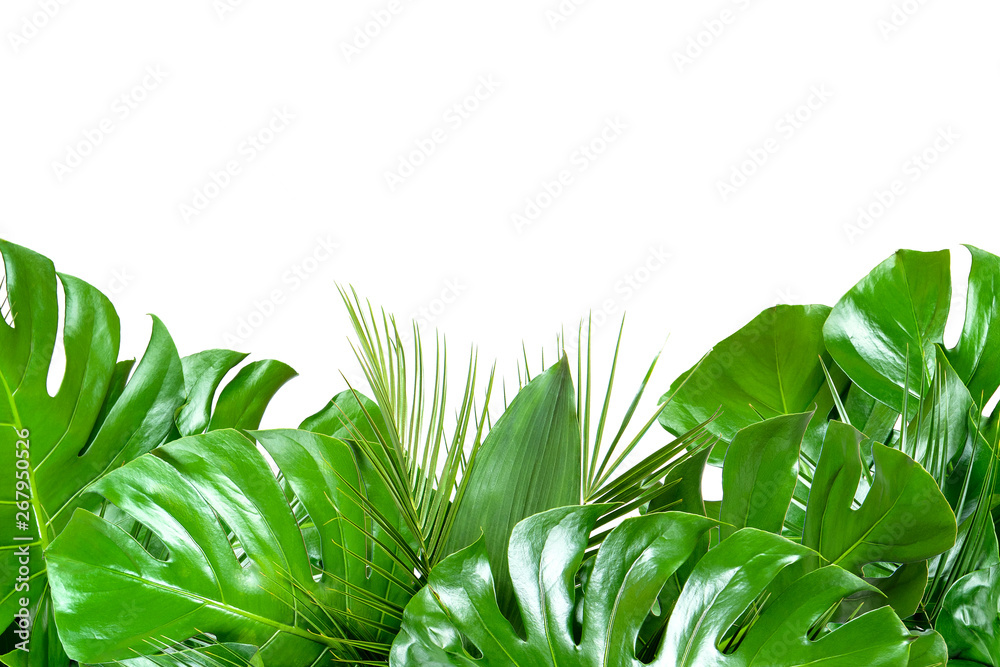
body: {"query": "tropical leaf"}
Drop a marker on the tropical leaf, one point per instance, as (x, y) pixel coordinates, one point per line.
(241, 403)
(770, 367)
(100, 418)
(970, 620)
(240, 563)
(883, 331)
(759, 474)
(455, 620)
(529, 463)
(976, 356)
(903, 519)
(928, 650)
(405, 440)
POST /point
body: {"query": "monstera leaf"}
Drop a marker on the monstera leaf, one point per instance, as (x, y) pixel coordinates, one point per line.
(105, 413)
(758, 478)
(100, 418)
(904, 518)
(242, 564)
(240, 404)
(883, 331)
(770, 367)
(455, 619)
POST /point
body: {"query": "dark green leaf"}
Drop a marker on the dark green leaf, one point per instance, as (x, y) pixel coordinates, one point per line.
(904, 517)
(529, 463)
(970, 620)
(458, 610)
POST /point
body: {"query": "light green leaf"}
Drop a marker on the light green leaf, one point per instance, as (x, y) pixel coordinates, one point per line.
(768, 368)
(237, 565)
(883, 331)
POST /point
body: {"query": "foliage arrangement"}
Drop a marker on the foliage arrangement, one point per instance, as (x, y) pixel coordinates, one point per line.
(148, 520)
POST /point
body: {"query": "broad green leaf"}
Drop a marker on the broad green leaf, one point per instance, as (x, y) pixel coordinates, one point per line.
(456, 616)
(904, 517)
(928, 650)
(237, 564)
(684, 492)
(768, 368)
(529, 463)
(883, 331)
(759, 474)
(970, 620)
(976, 356)
(98, 420)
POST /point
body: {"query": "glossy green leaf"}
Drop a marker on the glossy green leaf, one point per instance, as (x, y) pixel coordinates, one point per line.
(529, 463)
(976, 356)
(456, 616)
(970, 620)
(883, 331)
(904, 517)
(237, 564)
(98, 419)
(203, 373)
(759, 474)
(768, 368)
(344, 418)
(928, 650)
(939, 433)
(242, 402)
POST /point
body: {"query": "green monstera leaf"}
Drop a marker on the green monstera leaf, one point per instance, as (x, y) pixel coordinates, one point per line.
(104, 414)
(772, 366)
(883, 331)
(240, 404)
(904, 518)
(759, 475)
(455, 619)
(284, 563)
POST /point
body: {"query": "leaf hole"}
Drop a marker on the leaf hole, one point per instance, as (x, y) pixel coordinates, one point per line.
(139, 531)
(242, 557)
(57, 365)
(6, 310)
(961, 266)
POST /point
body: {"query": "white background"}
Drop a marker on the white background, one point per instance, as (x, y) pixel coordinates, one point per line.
(695, 88)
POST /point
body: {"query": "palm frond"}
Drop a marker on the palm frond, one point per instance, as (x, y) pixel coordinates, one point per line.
(422, 455)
